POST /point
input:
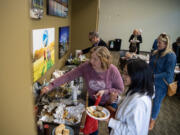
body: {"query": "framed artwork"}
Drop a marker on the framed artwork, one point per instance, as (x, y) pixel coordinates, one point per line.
(36, 10)
(57, 8)
(43, 51)
(63, 40)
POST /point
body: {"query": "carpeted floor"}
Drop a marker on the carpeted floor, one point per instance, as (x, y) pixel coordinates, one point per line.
(168, 121)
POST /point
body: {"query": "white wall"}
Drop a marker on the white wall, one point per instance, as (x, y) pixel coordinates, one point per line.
(118, 18)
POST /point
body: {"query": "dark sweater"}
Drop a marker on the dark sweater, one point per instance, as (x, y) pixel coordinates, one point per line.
(176, 49)
(100, 43)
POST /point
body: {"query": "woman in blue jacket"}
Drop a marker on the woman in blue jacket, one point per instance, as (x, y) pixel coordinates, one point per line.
(162, 63)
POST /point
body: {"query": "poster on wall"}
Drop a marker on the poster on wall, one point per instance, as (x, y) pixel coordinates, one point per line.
(63, 40)
(43, 51)
(57, 8)
(36, 10)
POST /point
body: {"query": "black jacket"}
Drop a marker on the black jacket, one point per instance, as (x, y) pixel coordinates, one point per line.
(101, 43)
(138, 38)
(176, 49)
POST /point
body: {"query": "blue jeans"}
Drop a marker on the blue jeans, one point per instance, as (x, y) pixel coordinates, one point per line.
(160, 93)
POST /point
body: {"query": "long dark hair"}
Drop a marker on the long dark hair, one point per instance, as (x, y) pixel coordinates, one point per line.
(141, 77)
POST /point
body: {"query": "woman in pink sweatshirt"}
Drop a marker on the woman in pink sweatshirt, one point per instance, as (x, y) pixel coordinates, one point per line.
(100, 76)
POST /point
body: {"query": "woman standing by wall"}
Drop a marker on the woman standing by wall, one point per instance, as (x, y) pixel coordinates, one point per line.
(136, 39)
(162, 63)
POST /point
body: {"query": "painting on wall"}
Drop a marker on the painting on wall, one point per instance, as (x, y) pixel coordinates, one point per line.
(43, 51)
(63, 40)
(36, 10)
(57, 8)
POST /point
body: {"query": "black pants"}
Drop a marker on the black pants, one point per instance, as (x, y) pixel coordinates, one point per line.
(178, 80)
(138, 48)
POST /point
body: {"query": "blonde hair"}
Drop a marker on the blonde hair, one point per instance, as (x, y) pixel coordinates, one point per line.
(164, 38)
(104, 56)
(136, 31)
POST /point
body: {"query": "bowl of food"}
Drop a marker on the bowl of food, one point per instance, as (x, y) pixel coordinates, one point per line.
(60, 92)
(63, 130)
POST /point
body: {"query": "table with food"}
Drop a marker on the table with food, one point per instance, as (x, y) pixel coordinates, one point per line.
(60, 111)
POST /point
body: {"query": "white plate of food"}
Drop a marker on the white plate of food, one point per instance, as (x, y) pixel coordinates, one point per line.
(177, 70)
(98, 112)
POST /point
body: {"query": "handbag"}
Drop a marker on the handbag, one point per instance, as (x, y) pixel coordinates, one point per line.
(172, 88)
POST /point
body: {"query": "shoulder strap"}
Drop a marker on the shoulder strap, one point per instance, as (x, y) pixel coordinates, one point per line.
(165, 82)
(155, 61)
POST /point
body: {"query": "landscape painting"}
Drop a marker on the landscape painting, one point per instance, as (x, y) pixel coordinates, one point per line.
(63, 40)
(57, 8)
(43, 51)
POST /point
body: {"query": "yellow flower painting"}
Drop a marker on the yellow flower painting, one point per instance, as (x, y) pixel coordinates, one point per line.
(43, 51)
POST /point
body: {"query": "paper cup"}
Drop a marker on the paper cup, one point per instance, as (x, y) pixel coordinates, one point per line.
(77, 52)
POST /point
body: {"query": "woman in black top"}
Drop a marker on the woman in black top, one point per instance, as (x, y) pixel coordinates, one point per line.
(136, 39)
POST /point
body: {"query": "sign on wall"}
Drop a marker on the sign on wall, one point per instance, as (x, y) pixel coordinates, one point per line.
(43, 51)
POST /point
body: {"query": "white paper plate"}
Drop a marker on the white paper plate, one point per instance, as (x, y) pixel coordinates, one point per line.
(71, 131)
(107, 113)
(176, 71)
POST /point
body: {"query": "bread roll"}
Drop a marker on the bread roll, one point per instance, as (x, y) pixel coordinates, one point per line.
(59, 129)
(66, 132)
(99, 108)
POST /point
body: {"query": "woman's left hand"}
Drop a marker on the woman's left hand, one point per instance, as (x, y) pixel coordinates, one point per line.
(113, 96)
(100, 93)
